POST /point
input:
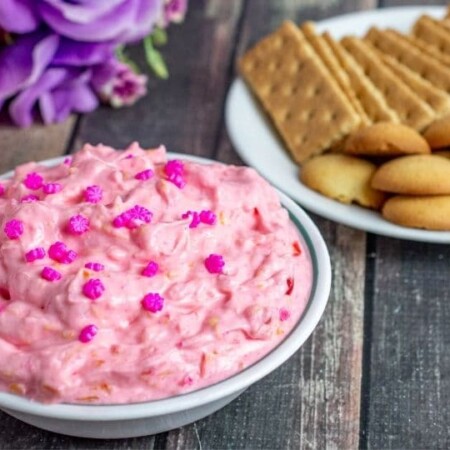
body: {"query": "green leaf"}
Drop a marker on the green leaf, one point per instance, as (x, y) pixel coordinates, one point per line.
(159, 36)
(155, 59)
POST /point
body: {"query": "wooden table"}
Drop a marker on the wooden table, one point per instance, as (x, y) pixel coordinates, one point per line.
(376, 371)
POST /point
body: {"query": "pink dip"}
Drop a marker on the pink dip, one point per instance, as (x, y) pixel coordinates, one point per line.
(202, 278)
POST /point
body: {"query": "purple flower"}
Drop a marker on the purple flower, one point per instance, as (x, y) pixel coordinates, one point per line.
(118, 85)
(19, 16)
(57, 93)
(174, 11)
(87, 20)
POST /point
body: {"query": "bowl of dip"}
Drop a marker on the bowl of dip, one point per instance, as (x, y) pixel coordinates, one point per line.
(142, 291)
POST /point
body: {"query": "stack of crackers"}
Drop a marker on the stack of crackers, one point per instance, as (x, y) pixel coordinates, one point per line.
(337, 97)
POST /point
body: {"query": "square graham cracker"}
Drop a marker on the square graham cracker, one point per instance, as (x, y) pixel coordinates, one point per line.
(413, 111)
(428, 49)
(433, 32)
(391, 43)
(327, 56)
(438, 99)
(306, 105)
(370, 97)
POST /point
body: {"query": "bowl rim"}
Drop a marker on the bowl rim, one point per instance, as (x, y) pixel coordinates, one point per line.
(285, 349)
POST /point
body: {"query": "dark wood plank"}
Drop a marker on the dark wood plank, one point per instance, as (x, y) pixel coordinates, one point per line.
(38, 142)
(183, 112)
(313, 400)
(408, 364)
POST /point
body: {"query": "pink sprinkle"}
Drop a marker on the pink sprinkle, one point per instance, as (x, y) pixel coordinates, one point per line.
(151, 270)
(2, 189)
(214, 263)
(208, 217)
(33, 181)
(34, 254)
(13, 229)
(93, 194)
(87, 333)
(78, 224)
(133, 218)
(153, 302)
(174, 170)
(52, 188)
(68, 161)
(93, 289)
(174, 167)
(144, 175)
(195, 222)
(96, 267)
(177, 180)
(50, 274)
(29, 198)
(284, 314)
(130, 156)
(59, 252)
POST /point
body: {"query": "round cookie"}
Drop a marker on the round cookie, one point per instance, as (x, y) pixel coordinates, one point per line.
(386, 139)
(414, 175)
(429, 212)
(438, 133)
(343, 178)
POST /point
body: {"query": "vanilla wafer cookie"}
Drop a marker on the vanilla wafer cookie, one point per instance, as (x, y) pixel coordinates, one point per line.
(436, 98)
(343, 178)
(329, 59)
(438, 133)
(293, 86)
(431, 212)
(413, 111)
(371, 99)
(386, 139)
(426, 66)
(432, 31)
(414, 175)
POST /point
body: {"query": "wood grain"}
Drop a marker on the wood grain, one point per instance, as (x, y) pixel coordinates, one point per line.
(410, 364)
(183, 112)
(35, 143)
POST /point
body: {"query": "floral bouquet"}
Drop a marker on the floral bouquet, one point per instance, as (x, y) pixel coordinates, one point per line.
(64, 56)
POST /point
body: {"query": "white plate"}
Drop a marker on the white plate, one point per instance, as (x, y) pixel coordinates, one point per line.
(257, 144)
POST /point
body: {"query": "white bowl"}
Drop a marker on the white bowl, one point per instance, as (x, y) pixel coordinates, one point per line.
(140, 419)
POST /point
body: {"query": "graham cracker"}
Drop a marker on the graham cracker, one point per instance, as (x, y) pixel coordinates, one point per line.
(430, 50)
(426, 66)
(371, 99)
(304, 102)
(322, 48)
(432, 31)
(437, 99)
(413, 111)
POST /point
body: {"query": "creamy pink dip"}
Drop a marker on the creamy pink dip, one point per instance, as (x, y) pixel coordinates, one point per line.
(156, 319)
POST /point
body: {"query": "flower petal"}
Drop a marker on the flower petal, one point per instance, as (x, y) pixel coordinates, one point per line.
(101, 21)
(18, 16)
(47, 107)
(21, 108)
(22, 63)
(72, 53)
